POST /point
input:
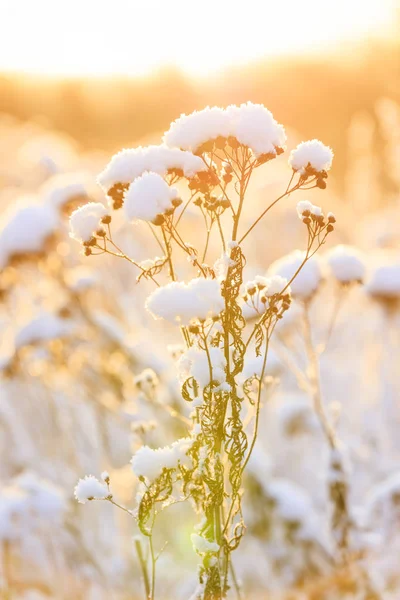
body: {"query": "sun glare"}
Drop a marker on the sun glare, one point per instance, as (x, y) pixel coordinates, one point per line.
(133, 37)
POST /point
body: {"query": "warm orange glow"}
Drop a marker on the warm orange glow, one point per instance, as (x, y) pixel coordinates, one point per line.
(131, 37)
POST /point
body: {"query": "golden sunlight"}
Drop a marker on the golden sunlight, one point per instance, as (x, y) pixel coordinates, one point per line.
(199, 299)
(133, 37)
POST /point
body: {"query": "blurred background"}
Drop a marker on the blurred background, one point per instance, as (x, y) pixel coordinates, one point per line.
(79, 80)
(109, 76)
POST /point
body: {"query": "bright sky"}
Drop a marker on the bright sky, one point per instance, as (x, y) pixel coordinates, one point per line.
(132, 37)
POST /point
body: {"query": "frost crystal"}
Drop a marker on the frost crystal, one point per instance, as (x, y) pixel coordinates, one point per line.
(181, 302)
(86, 220)
(312, 154)
(90, 488)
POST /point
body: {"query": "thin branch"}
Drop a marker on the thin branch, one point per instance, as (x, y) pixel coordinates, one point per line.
(286, 193)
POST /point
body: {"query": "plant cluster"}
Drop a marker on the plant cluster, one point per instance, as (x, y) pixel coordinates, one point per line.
(205, 164)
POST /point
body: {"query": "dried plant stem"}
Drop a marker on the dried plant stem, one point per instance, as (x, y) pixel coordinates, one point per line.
(121, 254)
(235, 581)
(156, 238)
(338, 486)
(221, 233)
(339, 299)
(207, 242)
(153, 568)
(183, 210)
(316, 380)
(143, 567)
(110, 499)
(177, 238)
(169, 255)
(258, 403)
(287, 193)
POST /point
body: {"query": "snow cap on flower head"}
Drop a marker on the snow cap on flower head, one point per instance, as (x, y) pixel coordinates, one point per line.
(149, 197)
(306, 281)
(86, 220)
(90, 488)
(150, 463)
(249, 124)
(127, 165)
(26, 230)
(313, 155)
(384, 281)
(181, 302)
(346, 263)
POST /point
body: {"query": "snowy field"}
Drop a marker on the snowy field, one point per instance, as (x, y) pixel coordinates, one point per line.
(193, 407)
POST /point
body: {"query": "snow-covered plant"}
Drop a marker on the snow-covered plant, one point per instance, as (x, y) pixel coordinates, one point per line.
(205, 164)
(346, 267)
